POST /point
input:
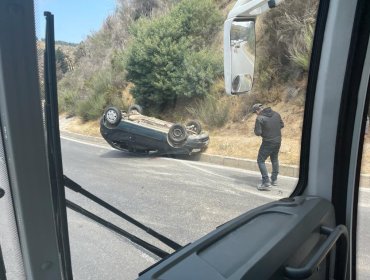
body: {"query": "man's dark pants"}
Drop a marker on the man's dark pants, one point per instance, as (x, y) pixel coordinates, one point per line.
(269, 149)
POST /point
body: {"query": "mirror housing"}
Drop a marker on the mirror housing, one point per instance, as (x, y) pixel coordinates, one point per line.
(239, 44)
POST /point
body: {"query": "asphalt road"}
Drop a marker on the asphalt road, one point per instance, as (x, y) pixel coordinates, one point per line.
(242, 64)
(181, 199)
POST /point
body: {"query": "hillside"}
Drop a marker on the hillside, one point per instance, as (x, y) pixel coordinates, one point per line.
(114, 68)
(65, 57)
(166, 55)
(186, 70)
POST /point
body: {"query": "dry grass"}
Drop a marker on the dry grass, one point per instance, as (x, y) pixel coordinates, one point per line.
(238, 139)
(76, 125)
(127, 98)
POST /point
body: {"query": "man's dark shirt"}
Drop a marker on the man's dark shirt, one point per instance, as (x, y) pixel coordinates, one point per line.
(269, 125)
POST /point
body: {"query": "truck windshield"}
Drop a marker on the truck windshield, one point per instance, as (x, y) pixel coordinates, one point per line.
(147, 130)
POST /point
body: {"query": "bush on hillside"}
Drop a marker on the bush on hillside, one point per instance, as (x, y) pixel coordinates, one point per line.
(61, 61)
(92, 108)
(67, 101)
(100, 92)
(300, 50)
(170, 57)
(96, 69)
(212, 111)
(284, 43)
(216, 109)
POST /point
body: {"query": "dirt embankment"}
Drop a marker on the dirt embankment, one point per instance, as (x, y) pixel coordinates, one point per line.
(238, 139)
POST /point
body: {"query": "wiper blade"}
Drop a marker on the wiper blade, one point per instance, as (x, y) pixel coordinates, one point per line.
(54, 149)
(77, 188)
(151, 248)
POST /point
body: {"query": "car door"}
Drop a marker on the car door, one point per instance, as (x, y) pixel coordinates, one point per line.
(310, 235)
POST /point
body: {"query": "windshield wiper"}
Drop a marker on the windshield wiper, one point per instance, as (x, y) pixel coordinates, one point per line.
(77, 188)
(60, 181)
(54, 147)
(151, 248)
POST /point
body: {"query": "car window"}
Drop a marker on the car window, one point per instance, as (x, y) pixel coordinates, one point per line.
(146, 125)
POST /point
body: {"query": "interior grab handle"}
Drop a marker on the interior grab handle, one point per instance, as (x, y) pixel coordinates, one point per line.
(310, 267)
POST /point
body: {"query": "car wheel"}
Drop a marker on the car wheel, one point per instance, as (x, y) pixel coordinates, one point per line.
(177, 134)
(134, 108)
(194, 126)
(112, 116)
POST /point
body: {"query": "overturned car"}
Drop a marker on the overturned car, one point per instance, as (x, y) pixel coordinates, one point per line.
(134, 132)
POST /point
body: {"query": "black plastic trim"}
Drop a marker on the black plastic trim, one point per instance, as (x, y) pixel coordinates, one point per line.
(322, 15)
(238, 249)
(313, 264)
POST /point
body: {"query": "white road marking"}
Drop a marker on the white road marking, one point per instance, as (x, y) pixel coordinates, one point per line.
(86, 143)
(242, 171)
(83, 135)
(264, 194)
(205, 171)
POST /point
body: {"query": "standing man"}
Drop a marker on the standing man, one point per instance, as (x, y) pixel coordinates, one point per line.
(268, 125)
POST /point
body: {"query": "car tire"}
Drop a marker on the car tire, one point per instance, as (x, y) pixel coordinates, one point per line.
(112, 116)
(136, 108)
(194, 126)
(177, 135)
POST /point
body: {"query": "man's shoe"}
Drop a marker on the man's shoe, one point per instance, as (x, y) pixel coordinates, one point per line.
(274, 182)
(264, 186)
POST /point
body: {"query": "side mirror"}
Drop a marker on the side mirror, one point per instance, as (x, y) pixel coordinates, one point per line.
(239, 55)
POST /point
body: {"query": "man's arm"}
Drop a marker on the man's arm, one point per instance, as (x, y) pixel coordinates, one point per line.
(281, 122)
(258, 127)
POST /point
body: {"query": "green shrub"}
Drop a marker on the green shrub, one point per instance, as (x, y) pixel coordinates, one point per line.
(61, 60)
(92, 108)
(170, 57)
(101, 93)
(284, 43)
(300, 51)
(212, 111)
(68, 102)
